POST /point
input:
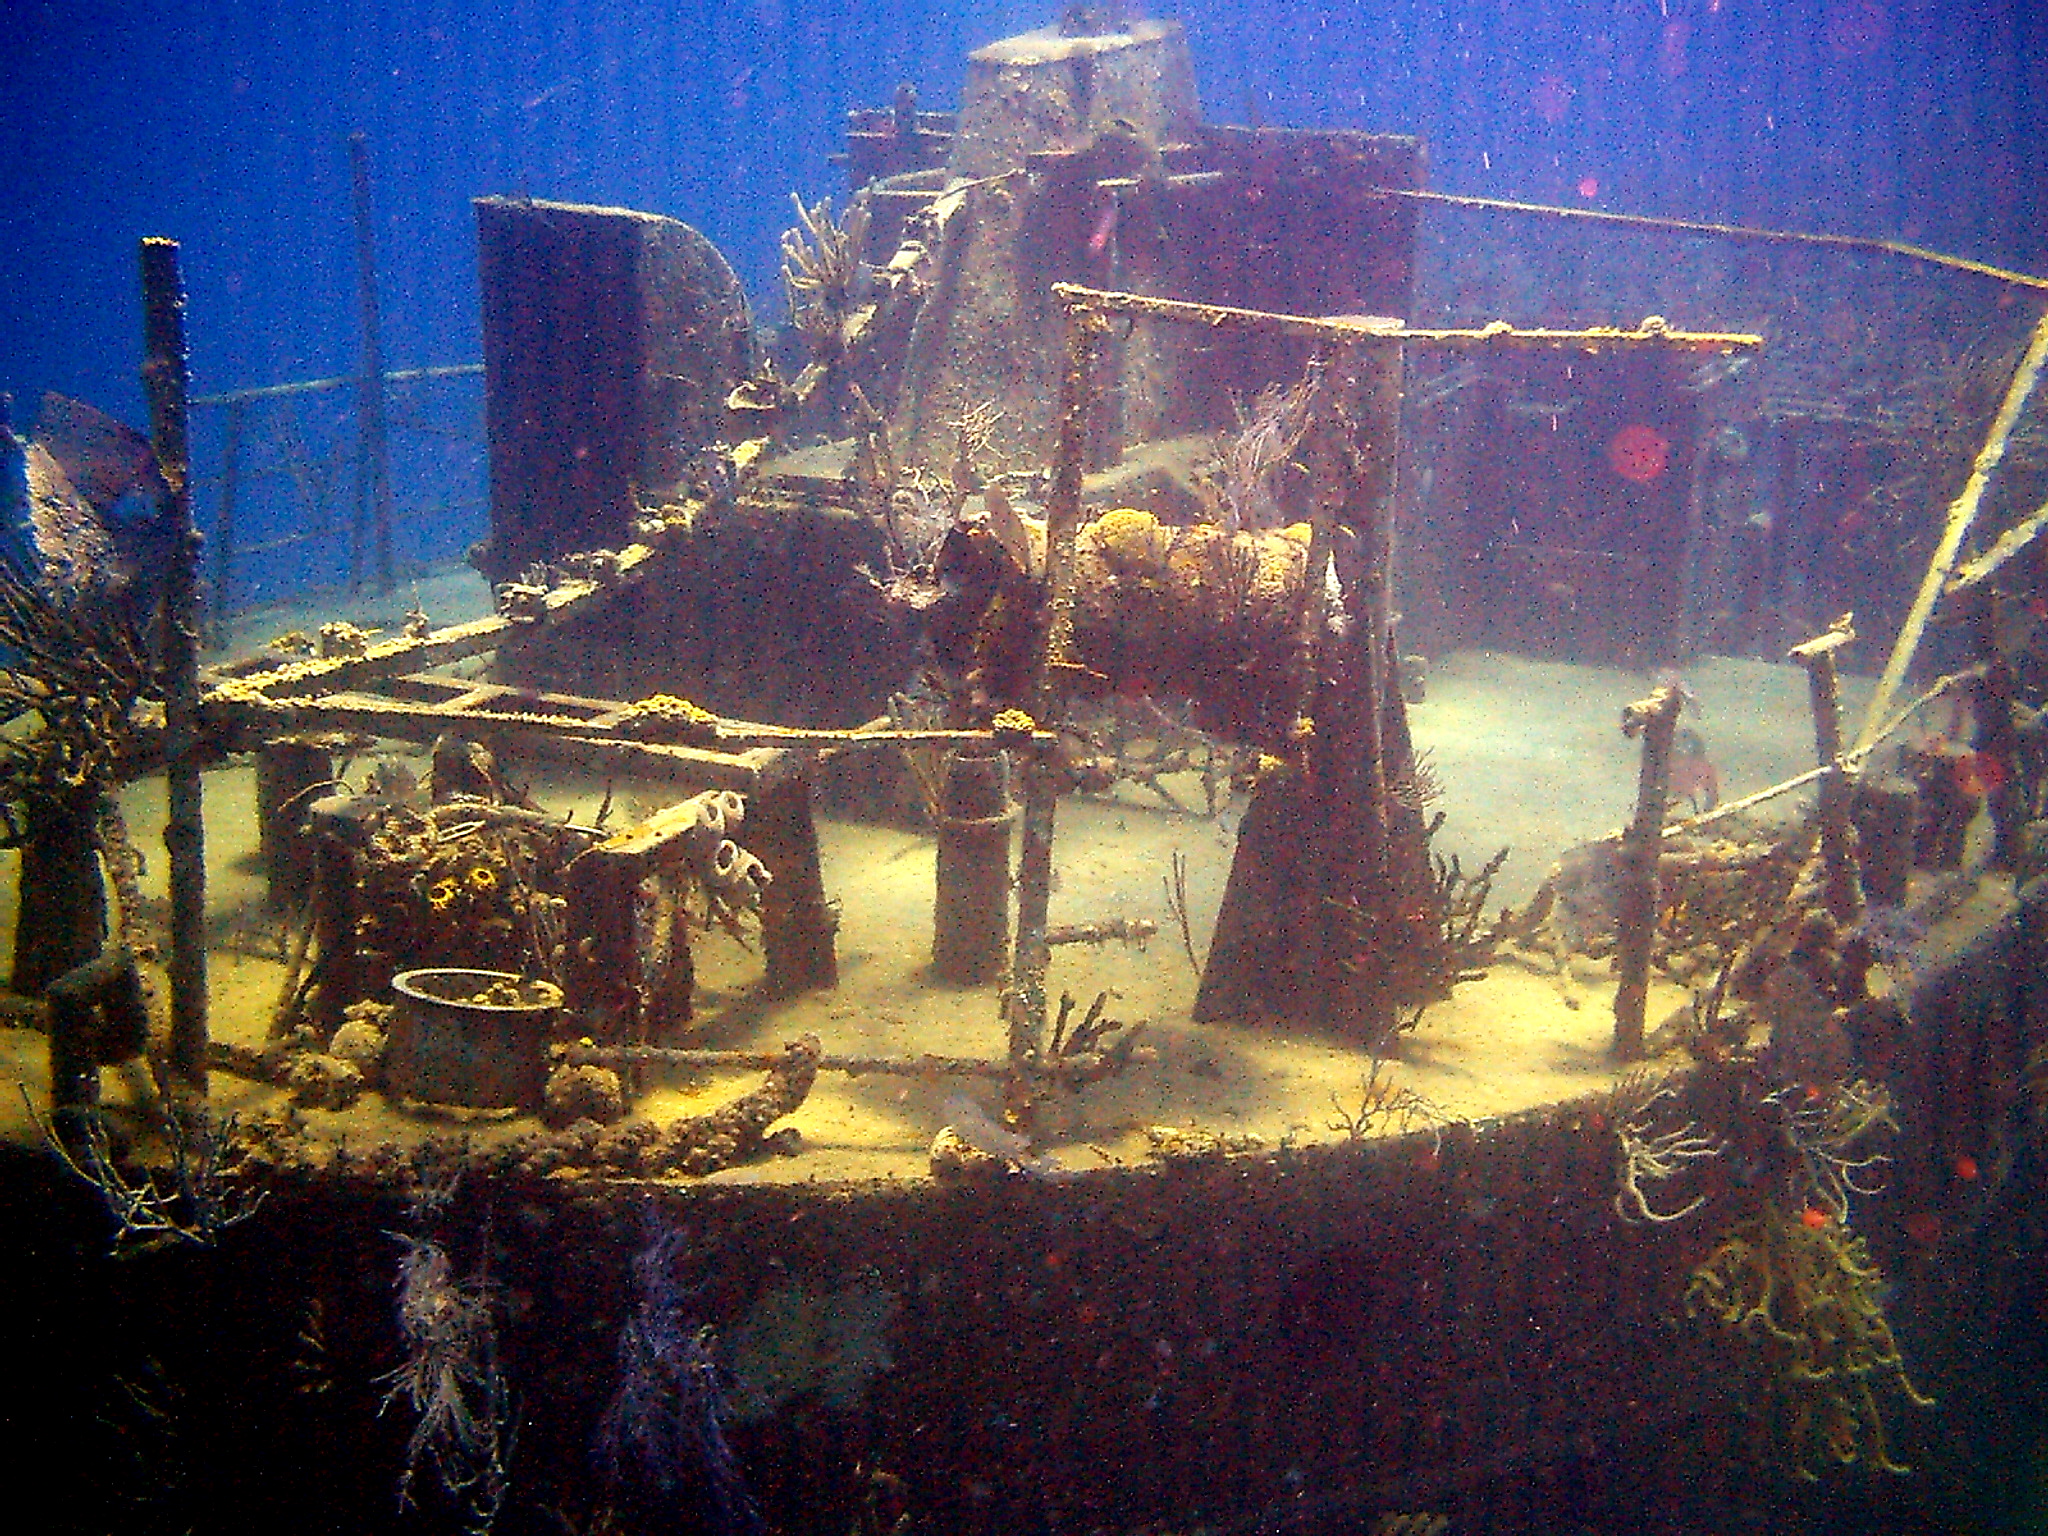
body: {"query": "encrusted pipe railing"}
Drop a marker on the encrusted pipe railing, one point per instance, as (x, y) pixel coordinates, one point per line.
(165, 381)
(1655, 719)
(1024, 996)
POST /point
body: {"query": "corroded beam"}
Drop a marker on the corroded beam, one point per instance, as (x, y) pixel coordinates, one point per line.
(1655, 330)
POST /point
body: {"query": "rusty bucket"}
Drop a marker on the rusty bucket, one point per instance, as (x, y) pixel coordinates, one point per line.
(472, 1038)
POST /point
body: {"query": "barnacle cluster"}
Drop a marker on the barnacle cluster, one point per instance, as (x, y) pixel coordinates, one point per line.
(1803, 1297)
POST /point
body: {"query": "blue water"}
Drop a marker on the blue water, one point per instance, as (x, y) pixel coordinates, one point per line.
(224, 125)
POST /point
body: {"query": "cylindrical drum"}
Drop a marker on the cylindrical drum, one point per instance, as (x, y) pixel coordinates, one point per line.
(971, 923)
(472, 1038)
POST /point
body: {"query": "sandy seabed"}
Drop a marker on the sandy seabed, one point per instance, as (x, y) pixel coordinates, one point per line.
(1530, 755)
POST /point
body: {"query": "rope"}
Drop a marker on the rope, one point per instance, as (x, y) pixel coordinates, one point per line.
(1731, 231)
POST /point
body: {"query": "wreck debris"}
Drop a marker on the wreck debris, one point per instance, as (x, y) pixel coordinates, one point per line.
(99, 1017)
(1653, 330)
(1128, 930)
(1332, 877)
(1962, 513)
(373, 452)
(698, 1145)
(653, 332)
(1144, 741)
(1193, 1141)
(464, 883)
(460, 1036)
(629, 970)
(1024, 1001)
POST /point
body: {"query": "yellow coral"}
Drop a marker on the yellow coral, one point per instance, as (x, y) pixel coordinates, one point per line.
(1012, 724)
(1126, 536)
(342, 638)
(442, 893)
(666, 706)
(1282, 567)
(482, 877)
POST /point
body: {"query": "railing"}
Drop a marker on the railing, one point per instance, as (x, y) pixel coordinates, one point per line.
(338, 501)
(371, 537)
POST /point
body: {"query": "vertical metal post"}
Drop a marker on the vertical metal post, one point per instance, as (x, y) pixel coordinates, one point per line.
(373, 448)
(1842, 892)
(166, 382)
(1655, 719)
(970, 912)
(1024, 997)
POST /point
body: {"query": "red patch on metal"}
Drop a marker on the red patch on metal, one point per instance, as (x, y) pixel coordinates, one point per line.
(1924, 1227)
(1638, 453)
(1978, 774)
